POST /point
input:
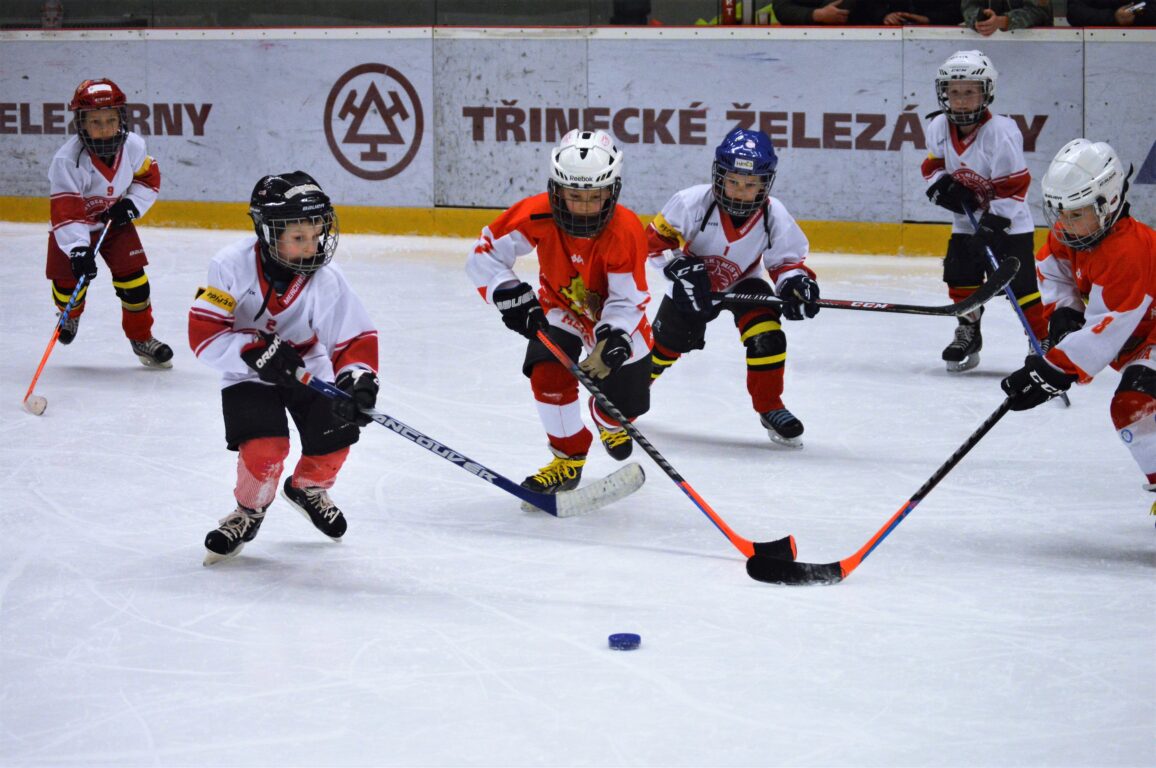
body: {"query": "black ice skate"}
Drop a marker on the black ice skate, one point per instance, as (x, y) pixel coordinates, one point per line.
(237, 528)
(68, 329)
(616, 442)
(782, 427)
(561, 474)
(153, 353)
(316, 505)
(962, 354)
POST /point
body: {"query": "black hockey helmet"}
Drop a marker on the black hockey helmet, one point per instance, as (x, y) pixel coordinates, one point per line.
(285, 199)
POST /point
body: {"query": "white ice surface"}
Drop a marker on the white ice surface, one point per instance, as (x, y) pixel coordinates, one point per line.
(1008, 621)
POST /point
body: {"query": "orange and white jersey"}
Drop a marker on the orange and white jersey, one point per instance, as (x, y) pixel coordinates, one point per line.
(583, 282)
(769, 240)
(1114, 285)
(989, 161)
(320, 316)
(83, 187)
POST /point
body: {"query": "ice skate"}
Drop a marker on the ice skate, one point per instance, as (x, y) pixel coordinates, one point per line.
(69, 328)
(227, 541)
(153, 353)
(316, 505)
(962, 354)
(616, 442)
(561, 474)
(782, 427)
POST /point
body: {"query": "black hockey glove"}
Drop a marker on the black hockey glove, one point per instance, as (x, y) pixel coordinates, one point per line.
(274, 360)
(1064, 320)
(361, 386)
(121, 212)
(83, 262)
(611, 351)
(1035, 383)
(520, 310)
(990, 234)
(800, 295)
(950, 194)
(691, 292)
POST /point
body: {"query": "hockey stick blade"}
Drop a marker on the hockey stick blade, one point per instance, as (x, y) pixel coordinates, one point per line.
(985, 293)
(605, 491)
(766, 568)
(592, 496)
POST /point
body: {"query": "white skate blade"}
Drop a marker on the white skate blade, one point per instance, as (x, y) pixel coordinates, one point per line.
(786, 442)
(580, 501)
(148, 362)
(212, 558)
(966, 364)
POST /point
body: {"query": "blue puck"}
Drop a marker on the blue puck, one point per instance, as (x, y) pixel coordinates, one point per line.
(625, 641)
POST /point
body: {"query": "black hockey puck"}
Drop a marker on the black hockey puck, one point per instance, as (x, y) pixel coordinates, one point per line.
(625, 641)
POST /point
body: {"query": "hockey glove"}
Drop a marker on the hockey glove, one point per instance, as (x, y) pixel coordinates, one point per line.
(989, 234)
(520, 310)
(691, 292)
(1064, 320)
(611, 351)
(800, 295)
(83, 262)
(273, 359)
(1035, 383)
(361, 386)
(121, 212)
(948, 193)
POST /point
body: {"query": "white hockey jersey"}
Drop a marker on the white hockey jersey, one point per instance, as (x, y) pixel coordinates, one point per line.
(320, 316)
(83, 187)
(770, 239)
(989, 161)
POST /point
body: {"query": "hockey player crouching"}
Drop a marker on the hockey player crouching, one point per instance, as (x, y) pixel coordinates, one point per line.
(592, 295)
(274, 304)
(727, 236)
(103, 174)
(1098, 280)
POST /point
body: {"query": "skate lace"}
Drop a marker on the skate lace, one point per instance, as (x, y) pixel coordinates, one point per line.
(612, 438)
(780, 418)
(71, 323)
(235, 525)
(321, 503)
(558, 471)
(964, 334)
(149, 346)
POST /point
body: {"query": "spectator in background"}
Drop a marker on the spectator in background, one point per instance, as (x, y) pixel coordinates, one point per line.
(988, 16)
(1109, 13)
(869, 12)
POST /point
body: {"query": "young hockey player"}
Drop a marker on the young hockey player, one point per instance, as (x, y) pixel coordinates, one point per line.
(726, 236)
(272, 305)
(103, 174)
(1098, 280)
(592, 296)
(976, 163)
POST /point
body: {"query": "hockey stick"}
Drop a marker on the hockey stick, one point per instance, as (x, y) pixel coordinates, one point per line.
(1039, 350)
(36, 404)
(771, 570)
(781, 548)
(611, 488)
(989, 290)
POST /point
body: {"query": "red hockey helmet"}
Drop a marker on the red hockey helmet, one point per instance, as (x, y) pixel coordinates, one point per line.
(100, 94)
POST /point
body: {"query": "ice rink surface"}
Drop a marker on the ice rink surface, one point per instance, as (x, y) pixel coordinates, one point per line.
(1008, 621)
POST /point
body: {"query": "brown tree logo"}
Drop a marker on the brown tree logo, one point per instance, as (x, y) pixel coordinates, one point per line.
(373, 121)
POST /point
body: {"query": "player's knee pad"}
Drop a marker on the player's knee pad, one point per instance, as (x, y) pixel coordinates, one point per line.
(62, 292)
(551, 383)
(132, 290)
(678, 331)
(264, 456)
(766, 345)
(1135, 397)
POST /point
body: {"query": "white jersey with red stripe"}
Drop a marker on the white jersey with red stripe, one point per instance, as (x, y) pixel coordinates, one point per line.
(989, 161)
(83, 187)
(769, 240)
(320, 316)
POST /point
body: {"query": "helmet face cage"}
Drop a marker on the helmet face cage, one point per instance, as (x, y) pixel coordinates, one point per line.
(966, 66)
(278, 203)
(94, 95)
(584, 160)
(1084, 175)
(748, 154)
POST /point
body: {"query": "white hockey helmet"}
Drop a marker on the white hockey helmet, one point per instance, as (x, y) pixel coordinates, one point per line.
(1084, 174)
(584, 160)
(970, 66)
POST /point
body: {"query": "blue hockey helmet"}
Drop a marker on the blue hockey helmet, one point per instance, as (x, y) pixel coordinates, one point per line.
(744, 153)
